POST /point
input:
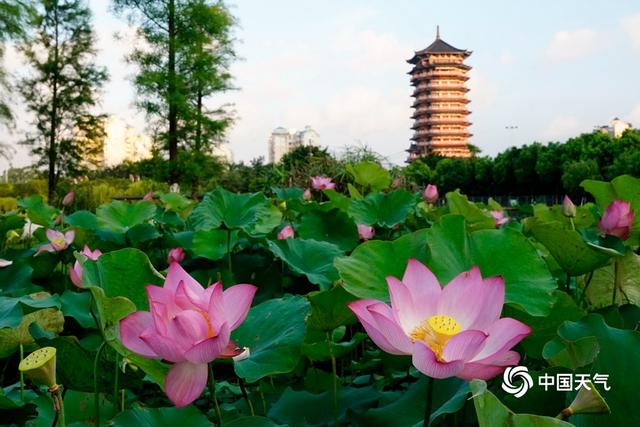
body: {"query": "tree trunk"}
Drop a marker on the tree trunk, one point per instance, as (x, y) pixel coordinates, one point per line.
(52, 181)
(173, 110)
(199, 122)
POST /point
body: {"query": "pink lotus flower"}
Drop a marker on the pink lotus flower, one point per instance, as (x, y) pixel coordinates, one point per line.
(568, 208)
(286, 233)
(499, 218)
(451, 331)
(75, 274)
(189, 326)
(68, 198)
(58, 241)
(306, 195)
(148, 196)
(617, 219)
(175, 255)
(430, 194)
(366, 232)
(322, 183)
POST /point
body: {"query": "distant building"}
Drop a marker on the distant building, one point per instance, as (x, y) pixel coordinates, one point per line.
(284, 140)
(616, 128)
(441, 124)
(223, 151)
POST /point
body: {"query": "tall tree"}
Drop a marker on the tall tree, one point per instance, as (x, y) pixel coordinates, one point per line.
(62, 90)
(13, 17)
(183, 62)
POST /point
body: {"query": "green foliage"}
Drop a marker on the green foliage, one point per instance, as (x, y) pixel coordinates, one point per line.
(309, 360)
(62, 90)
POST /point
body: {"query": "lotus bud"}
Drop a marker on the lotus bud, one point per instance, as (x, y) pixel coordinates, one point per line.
(68, 198)
(617, 219)
(587, 401)
(40, 366)
(430, 194)
(5, 263)
(148, 196)
(59, 219)
(307, 194)
(568, 208)
(366, 232)
(397, 183)
(175, 255)
(286, 232)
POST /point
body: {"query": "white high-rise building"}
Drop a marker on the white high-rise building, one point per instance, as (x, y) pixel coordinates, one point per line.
(284, 140)
(616, 128)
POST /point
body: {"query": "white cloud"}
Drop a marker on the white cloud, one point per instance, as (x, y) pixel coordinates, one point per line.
(570, 45)
(563, 127)
(482, 91)
(506, 58)
(634, 116)
(631, 26)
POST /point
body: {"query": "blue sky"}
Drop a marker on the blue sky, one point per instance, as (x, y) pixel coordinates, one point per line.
(552, 68)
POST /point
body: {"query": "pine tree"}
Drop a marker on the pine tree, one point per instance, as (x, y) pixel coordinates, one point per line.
(182, 63)
(62, 90)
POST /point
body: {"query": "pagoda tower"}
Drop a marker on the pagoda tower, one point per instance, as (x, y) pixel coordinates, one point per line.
(440, 117)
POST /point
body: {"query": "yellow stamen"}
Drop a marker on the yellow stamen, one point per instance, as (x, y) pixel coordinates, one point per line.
(58, 242)
(435, 332)
(210, 331)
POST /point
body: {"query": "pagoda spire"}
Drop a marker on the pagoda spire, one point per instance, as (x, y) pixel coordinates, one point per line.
(437, 32)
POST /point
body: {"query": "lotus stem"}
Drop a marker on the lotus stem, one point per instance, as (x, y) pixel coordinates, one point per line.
(116, 378)
(229, 251)
(21, 374)
(214, 396)
(429, 402)
(335, 381)
(243, 388)
(618, 277)
(96, 396)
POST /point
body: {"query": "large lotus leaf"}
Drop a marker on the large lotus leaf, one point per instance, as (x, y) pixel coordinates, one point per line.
(333, 226)
(119, 217)
(503, 252)
(573, 254)
(336, 200)
(491, 412)
(251, 422)
(383, 209)
(161, 417)
(301, 408)
(12, 309)
(176, 202)
(110, 312)
(214, 244)
(250, 212)
(449, 395)
(364, 272)
(79, 409)
(599, 289)
(82, 219)
(312, 258)
(48, 319)
(124, 272)
(618, 358)
(624, 187)
(38, 211)
(545, 327)
(76, 305)
(329, 309)
(475, 217)
(370, 174)
(274, 332)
